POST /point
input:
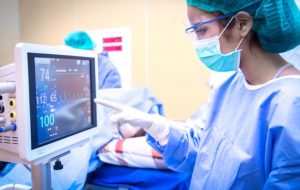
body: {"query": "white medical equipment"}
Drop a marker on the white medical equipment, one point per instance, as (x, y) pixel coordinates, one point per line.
(46, 106)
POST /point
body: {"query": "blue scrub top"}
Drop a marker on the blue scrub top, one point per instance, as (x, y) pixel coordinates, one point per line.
(108, 75)
(251, 138)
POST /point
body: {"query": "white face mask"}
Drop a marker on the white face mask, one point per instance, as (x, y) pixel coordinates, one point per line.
(209, 52)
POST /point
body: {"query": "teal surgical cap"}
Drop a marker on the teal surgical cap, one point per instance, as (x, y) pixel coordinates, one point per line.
(79, 40)
(276, 22)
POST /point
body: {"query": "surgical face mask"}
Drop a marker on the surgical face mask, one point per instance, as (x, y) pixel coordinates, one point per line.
(209, 52)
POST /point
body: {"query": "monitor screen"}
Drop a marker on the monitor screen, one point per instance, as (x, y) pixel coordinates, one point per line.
(60, 94)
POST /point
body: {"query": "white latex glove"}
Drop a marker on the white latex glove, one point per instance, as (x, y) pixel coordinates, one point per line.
(155, 125)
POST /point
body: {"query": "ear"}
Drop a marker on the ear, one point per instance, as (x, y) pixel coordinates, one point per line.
(244, 23)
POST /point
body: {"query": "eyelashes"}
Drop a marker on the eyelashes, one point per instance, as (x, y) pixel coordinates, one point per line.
(201, 31)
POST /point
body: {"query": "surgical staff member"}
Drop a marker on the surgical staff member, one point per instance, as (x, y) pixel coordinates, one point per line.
(251, 135)
(108, 75)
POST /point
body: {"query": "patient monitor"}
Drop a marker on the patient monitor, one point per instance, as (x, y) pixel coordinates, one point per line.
(46, 102)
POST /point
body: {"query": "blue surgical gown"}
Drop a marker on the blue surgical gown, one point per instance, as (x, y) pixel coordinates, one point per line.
(108, 75)
(250, 140)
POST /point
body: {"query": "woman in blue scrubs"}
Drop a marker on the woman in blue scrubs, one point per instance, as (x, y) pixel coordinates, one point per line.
(251, 135)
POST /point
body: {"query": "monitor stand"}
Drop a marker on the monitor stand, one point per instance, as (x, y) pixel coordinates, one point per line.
(41, 173)
(41, 176)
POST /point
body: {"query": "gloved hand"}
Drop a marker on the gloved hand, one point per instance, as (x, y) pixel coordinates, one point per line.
(155, 125)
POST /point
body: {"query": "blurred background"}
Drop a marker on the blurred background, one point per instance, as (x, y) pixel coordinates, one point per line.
(163, 58)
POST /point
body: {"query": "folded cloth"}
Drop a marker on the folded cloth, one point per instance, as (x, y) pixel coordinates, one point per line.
(133, 152)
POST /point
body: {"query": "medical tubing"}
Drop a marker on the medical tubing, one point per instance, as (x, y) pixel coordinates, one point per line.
(11, 127)
(7, 87)
(27, 167)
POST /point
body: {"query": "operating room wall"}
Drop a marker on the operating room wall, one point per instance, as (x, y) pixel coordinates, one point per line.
(162, 55)
(9, 30)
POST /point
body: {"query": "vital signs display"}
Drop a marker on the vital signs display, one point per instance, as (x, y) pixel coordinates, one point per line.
(60, 96)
